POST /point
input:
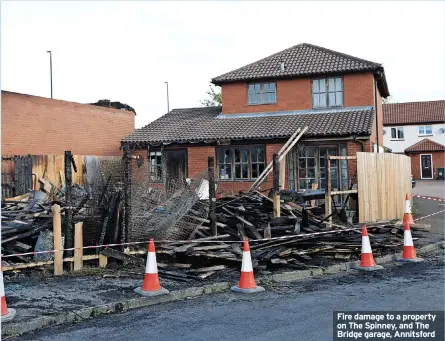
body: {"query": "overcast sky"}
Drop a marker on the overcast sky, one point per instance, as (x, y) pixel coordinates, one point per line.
(125, 51)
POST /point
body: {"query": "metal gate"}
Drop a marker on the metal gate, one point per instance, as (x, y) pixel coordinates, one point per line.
(16, 175)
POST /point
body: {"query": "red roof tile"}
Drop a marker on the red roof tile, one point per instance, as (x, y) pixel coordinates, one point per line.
(414, 112)
(426, 145)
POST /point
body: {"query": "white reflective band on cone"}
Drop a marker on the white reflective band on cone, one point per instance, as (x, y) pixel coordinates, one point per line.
(151, 267)
(408, 238)
(407, 206)
(366, 245)
(247, 262)
(2, 287)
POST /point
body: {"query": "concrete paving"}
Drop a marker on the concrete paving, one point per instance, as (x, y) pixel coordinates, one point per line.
(431, 188)
(300, 310)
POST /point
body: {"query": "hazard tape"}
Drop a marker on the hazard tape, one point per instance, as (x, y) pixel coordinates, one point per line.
(429, 215)
(429, 198)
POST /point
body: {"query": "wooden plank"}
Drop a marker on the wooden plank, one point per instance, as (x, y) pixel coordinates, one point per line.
(282, 153)
(57, 233)
(334, 157)
(78, 246)
(248, 223)
(103, 261)
(351, 191)
(314, 187)
(211, 268)
(25, 266)
(210, 247)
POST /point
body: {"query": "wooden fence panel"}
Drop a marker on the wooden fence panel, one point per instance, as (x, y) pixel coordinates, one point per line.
(383, 179)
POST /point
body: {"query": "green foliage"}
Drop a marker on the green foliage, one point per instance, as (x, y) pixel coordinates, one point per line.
(214, 97)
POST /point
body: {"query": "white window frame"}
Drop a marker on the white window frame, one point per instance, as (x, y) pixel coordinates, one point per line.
(397, 138)
(424, 129)
(259, 89)
(327, 92)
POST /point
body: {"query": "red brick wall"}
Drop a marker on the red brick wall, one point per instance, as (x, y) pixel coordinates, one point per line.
(295, 94)
(40, 126)
(358, 89)
(438, 161)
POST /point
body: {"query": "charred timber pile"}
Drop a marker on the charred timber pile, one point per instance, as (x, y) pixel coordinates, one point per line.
(299, 240)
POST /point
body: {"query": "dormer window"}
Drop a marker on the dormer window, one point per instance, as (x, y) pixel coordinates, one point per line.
(262, 93)
(327, 92)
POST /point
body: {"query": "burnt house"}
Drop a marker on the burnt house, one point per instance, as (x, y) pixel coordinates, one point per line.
(337, 96)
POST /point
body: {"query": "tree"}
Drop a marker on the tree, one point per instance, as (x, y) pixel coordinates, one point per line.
(214, 97)
(389, 100)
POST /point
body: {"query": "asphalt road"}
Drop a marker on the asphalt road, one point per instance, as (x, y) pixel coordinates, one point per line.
(291, 311)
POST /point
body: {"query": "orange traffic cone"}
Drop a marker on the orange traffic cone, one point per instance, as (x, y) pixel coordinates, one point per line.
(407, 217)
(409, 253)
(7, 314)
(367, 261)
(151, 285)
(247, 282)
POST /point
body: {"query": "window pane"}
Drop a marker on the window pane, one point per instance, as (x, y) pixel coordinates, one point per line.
(227, 156)
(332, 99)
(338, 84)
(322, 85)
(393, 133)
(266, 87)
(237, 171)
(251, 88)
(421, 130)
(258, 98)
(310, 152)
(266, 97)
(400, 132)
(301, 162)
(237, 155)
(311, 172)
(244, 154)
(251, 98)
(315, 86)
(316, 100)
(245, 173)
(261, 154)
(331, 84)
(261, 168)
(254, 170)
(302, 173)
(258, 88)
(273, 97)
(322, 100)
(428, 130)
(311, 162)
(272, 87)
(302, 184)
(339, 98)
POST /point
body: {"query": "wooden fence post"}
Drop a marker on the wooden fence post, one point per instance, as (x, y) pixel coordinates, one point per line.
(57, 234)
(68, 230)
(78, 245)
(212, 195)
(276, 186)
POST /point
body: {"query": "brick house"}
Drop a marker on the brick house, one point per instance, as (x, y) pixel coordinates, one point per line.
(339, 97)
(417, 129)
(40, 126)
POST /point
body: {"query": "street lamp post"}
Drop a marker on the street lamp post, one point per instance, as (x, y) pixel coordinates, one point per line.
(168, 102)
(51, 71)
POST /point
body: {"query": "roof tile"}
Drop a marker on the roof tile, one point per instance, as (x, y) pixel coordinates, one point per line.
(206, 124)
(414, 112)
(426, 145)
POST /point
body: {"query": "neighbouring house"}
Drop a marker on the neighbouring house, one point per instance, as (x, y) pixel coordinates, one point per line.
(41, 126)
(417, 129)
(338, 96)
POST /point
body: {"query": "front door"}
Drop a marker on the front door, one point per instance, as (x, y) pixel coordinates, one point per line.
(426, 166)
(176, 166)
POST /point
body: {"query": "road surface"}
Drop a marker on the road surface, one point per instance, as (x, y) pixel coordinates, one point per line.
(291, 311)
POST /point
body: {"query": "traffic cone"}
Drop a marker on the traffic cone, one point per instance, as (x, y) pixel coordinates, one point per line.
(409, 253)
(367, 262)
(151, 285)
(7, 314)
(407, 217)
(247, 282)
